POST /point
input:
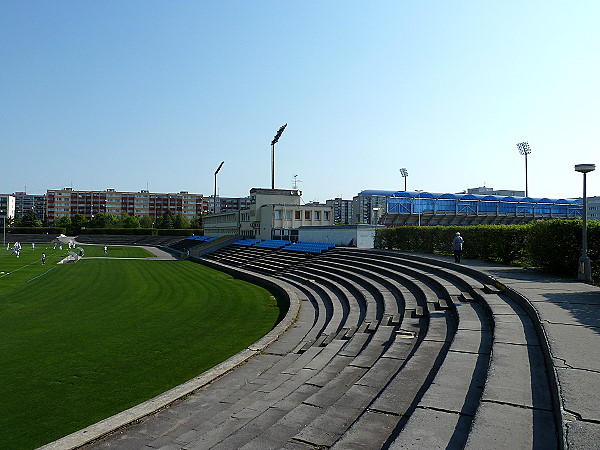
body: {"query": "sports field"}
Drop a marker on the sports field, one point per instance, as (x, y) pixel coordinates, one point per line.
(82, 341)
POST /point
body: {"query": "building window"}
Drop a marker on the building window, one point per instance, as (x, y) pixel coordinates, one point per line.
(297, 215)
(306, 215)
(277, 213)
(326, 215)
(317, 215)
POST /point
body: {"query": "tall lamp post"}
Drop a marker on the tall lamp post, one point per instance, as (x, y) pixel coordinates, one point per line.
(4, 226)
(273, 142)
(215, 197)
(419, 207)
(404, 174)
(585, 268)
(524, 149)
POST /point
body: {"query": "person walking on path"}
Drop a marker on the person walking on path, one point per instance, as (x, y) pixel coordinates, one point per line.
(457, 245)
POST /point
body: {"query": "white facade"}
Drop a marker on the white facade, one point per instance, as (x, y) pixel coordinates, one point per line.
(273, 214)
(7, 208)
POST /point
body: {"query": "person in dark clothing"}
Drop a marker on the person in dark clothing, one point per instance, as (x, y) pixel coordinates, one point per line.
(457, 246)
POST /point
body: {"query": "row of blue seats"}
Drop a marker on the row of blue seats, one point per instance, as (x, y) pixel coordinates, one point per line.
(202, 238)
(301, 246)
(247, 242)
(311, 247)
(270, 243)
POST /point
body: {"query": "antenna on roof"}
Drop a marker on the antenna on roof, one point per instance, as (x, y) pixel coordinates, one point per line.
(296, 181)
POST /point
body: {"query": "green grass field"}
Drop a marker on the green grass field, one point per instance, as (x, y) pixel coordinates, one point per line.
(82, 341)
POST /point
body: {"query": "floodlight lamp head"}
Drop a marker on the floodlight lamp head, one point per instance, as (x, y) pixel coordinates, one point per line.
(278, 135)
(585, 168)
(404, 172)
(524, 148)
(219, 168)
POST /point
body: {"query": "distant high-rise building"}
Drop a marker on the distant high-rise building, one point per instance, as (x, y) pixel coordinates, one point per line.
(28, 202)
(342, 210)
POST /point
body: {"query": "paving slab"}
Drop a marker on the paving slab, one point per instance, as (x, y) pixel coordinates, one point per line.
(501, 426)
(583, 435)
(433, 429)
(458, 385)
(370, 431)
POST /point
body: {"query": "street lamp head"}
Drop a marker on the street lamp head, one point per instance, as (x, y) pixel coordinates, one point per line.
(404, 172)
(585, 168)
(524, 148)
(219, 168)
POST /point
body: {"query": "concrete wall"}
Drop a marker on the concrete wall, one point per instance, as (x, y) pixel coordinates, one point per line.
(342, 235)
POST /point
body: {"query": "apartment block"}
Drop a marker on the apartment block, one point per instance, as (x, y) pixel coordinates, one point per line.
(68, 202)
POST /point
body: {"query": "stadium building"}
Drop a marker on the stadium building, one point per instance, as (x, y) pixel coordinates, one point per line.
(426, 208)
(272, 214)
(68, 202)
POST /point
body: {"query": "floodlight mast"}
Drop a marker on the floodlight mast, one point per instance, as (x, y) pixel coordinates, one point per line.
(524, 149)
(273, 142)
(215, 197)
(404, 174)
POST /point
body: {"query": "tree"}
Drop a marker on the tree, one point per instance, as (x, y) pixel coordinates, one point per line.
(64, 222)
(165, 221)
(30, 219)
(77, 223)
(146, 221)
(130, 222)
(103, 220)
(180, 221)
(196, 222)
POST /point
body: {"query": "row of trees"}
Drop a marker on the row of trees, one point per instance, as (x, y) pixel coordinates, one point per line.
(74, 225)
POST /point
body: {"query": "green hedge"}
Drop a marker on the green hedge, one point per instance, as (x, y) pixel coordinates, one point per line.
(553, 246)
(35, 230)
(144, 231)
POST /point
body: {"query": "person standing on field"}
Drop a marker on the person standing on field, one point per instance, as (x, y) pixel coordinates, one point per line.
(43, 259)
(457, 246)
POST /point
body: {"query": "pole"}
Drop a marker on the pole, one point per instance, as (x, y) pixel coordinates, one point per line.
(215, 196)
(585, 270)
(272, 165)
(404, 184)
(526, 185)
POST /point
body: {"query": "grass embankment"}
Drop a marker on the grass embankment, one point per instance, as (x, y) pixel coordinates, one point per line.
(80, 342)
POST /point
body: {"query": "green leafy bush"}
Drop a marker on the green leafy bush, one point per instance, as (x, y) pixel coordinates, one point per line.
(553, 246)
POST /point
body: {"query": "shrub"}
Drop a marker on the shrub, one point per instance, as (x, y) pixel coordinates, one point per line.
(553, 245)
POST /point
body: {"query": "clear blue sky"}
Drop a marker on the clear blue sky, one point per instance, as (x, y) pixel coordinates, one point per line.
(129, 94)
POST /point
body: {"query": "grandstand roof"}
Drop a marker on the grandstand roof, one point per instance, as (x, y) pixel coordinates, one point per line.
(412, 194)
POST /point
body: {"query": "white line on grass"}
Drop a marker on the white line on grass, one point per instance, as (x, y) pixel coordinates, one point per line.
(22, 267)
(42, 274)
